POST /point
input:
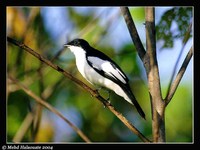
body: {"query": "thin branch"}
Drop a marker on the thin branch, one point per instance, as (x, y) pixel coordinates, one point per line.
(186, 38)
(133, 32)
(23, 128)
(27, 121)
(94, 93)
(179, 76)
(48, 106)
(38, 107)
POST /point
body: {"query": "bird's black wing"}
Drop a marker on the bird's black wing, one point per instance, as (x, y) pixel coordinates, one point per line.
(109, 69)
(106, 67)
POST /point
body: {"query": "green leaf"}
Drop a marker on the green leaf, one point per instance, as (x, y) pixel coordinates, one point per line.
(182, 17)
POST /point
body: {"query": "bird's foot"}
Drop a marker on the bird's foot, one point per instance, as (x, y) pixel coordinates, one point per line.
(108, 99)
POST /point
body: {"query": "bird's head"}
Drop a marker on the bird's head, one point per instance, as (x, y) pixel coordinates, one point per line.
(78, 43)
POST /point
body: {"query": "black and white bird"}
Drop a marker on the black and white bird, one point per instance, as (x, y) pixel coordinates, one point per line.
(98, 69)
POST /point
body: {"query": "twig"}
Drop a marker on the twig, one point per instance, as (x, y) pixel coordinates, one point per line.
(27, 121)
(48, 106)
(179, 76)
(94, 93)
(133, 32)
(38, 107)
(186, 37)
(23, 128)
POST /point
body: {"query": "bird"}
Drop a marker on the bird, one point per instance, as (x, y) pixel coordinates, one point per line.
(101, 71)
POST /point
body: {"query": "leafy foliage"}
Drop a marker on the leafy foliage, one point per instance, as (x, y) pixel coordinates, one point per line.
(181, 17)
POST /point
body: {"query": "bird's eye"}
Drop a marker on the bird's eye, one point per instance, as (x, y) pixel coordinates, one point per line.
(76, 43)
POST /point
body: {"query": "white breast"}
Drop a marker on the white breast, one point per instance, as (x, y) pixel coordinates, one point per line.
(80, 59)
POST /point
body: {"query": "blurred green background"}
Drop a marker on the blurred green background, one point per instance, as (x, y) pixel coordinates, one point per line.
(47, 29)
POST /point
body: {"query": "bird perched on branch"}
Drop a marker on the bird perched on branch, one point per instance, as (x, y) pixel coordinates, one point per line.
(98, 69)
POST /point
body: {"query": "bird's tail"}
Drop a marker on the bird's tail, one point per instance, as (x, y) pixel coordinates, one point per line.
(134, 101)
